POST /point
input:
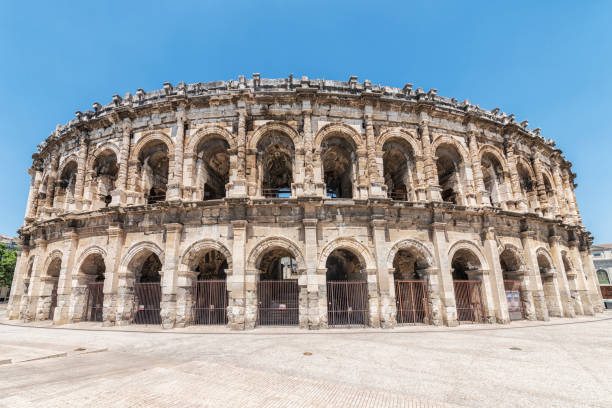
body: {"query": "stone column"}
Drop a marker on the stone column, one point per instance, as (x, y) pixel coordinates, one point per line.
(184, 296)
(81, 171)
(447, 289)
(533, 280)
(236, 281)
(30, 302)
(386, 288)
(542, 197)
(36, 175)
(562, 283)
(175, 186)
(111, 275)
(496, 278)
(581, 277)
(591, 275)
(375, 178)
(520, 202)
(170, 275)
(312, 184)
(559, 192)
(373, 299)
(435, 315)
(239, 184)
(482, 196)
(119, 194)
(63, 311)
(17, 286)
(431, 176)
(51, 182)
(315, 302)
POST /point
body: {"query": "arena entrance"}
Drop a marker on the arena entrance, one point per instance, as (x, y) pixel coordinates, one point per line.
(93, 268)
(277, 289)
(347, 290)
(53, 273)
(209, 290)
(410, 293)
(512, 273)
(147, 291)
(469, 298)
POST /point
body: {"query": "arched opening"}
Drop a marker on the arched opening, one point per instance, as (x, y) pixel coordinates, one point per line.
(28, 275)
(528, 186)
(154, 163)
(512, 271)
(209, 289)
(339, 167)
(275, 157)
(105, 171)
(550, 196)
(64, 192)
(603, 277)
(449, 165)
(212, 167)
(93, 269)
(469, 297)
(547, 275)
(410, 293)
(277, 289)
(146, 267)
(53, 273)
(399, 170)
(347, 289)
(493, 178)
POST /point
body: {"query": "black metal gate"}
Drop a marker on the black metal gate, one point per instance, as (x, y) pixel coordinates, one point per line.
(513, 298)
(469, 301)
(53, 300)
(147, 297)
(209, 302)
(278, 303)
(347, 303)
(95, 302)
(411, 301)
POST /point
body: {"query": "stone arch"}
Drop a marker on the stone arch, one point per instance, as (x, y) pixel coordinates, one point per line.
(273, 127)
(149, 137)
(521, 161)
(65, 161)
(338, 128)
(497, 153)
(399, 133)
(271, 243)
(470, 246)
(107, 146)
(209, 132)
(357, 248)
(517, 262)
(54, 256)
(448, 140)
(567, 263)
(92, 250)
(543, 252)
(138, 247)
(30, 267)
(427, 259)
(192, 251)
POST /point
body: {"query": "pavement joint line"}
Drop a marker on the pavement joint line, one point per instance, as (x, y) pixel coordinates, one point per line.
(44, 357)
(402, 329)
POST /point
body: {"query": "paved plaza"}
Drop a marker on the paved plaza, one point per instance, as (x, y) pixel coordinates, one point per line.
(564, 363)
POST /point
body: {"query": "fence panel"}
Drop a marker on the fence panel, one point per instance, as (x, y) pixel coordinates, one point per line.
(210, 302)
(347, 303)
(469, 301)
(411, 301)
(278, 303)
(95, 302)
(147, 298)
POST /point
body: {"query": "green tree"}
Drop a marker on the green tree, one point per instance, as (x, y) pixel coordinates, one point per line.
(8, 259)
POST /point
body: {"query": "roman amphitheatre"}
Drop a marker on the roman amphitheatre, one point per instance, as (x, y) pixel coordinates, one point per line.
(300, 202)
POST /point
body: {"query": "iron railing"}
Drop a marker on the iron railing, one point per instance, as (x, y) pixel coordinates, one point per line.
(411, 301)
(469, 301)
(347, 303)
(209, 302)
(53, 301)
(94, 302)
(278, 303)
(147, 297)
(276, 192)
(513, 298)
(398, 195)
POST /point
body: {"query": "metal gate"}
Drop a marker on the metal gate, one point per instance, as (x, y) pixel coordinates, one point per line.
(347, 303)
(147, 297)
(277, 302)
(53, 300)
(411, 301)
(209, 302)
(469, 301)
(95, 302)
(513, 297)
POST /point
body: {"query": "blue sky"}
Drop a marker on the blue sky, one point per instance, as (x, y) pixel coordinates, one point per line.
(549, 62)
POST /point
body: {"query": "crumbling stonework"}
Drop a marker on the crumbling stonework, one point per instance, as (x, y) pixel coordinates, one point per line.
(144, 188)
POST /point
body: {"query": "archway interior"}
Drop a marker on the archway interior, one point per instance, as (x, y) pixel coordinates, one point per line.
(567, 265)
(94, 267)
(338, 157)
(526, 183)
(276, 153)
(67, 181)
(448, 165)
(344, 265)
(550, 192)
(212, 167)
(147, 268)
(154, 164)
(278, 264)
(210, 264)
(544, 264)
(406, 265)
(105, 171)
(510, 263)
(493, 178)
(464, 262)
(398, 166)
(54, 268)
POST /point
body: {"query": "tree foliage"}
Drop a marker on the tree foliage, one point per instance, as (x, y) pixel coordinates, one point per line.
(8, 259)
